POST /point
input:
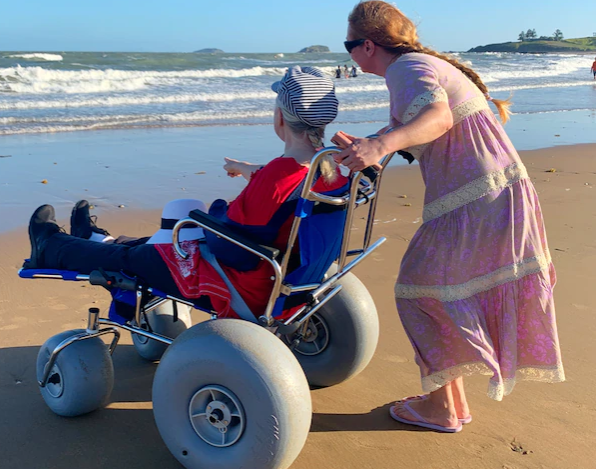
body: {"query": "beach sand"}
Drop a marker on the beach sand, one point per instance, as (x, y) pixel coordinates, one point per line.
(537, 426)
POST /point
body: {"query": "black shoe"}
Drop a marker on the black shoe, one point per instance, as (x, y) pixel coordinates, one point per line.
(41, 227)
(82, 225)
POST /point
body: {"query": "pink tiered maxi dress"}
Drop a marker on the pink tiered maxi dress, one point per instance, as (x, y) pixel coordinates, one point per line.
(475, 287)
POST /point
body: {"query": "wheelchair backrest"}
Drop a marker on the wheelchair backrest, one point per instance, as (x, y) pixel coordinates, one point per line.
(319, 227)
(320, 237)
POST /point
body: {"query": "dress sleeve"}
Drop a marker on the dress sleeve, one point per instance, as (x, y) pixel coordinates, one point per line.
(413, 84)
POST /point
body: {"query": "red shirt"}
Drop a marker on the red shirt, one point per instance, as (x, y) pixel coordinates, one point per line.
(266, 191)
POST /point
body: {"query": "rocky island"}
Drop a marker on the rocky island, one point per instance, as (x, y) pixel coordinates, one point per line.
(313, 49)
(209, 51)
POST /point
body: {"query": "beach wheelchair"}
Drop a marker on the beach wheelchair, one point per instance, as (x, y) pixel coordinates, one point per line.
(234, 393)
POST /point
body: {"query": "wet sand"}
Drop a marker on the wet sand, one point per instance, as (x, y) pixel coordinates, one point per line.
(537, 426)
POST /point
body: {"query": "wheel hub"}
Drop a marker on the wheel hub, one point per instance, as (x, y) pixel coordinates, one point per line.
(55, 382)
(314, 340)
(141, 338)
(311, 333)
(217, 416)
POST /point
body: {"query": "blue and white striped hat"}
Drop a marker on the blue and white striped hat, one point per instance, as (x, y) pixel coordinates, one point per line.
(308, 94)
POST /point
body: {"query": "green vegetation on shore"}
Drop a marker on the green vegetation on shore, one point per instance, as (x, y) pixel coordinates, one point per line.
(582, 44)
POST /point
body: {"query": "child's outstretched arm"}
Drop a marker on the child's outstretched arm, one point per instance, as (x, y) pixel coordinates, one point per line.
(237, 168)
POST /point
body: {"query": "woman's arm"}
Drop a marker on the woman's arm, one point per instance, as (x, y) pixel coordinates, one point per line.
(433, 121)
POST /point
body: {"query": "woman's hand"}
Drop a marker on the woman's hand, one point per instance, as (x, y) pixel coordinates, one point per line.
(362, 152)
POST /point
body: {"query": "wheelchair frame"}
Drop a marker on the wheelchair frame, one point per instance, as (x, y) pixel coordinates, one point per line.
(361, 193)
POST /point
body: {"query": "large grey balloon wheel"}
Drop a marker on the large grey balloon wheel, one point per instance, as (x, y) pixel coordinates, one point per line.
(161, 321)
(341, 337)
(82, 377)
(229, 394)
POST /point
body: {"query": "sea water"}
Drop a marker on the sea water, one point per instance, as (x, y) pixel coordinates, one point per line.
(70, 91)
(165, 121)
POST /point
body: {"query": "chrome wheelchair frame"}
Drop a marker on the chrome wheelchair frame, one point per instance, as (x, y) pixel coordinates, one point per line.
(362, 192)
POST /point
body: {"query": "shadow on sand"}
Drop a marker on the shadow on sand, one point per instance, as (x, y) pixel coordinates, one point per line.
(124, 436)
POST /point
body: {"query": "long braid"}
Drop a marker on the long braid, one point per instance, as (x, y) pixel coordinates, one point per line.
(328, 165)
(388, 27)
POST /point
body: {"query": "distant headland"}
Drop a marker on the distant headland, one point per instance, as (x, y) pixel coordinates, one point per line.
(209, 51)
(530, 42)
(313, 49)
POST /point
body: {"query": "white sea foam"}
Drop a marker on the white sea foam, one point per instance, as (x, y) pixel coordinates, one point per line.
(134, 100)
(148, 99)
(119, 119)
(42, 80)
(544, 69)
(364, 106)
(543, 85)
(176, 120)
(65, 95)
(38, 56)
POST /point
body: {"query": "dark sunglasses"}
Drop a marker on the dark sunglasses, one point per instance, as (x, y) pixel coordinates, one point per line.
(350, 45)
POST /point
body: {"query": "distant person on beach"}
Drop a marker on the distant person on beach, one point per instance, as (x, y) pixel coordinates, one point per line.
(338, 72)
(354, 72)
(475, 287)
(346, 71)
(594, 69)
(305, 104)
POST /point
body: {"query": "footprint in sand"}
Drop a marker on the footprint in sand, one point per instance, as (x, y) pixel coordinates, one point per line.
(580, 307)
(396, 359)
(358, 441)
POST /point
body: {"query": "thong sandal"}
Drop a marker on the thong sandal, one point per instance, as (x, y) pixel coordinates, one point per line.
(422, 397)
(421, 421)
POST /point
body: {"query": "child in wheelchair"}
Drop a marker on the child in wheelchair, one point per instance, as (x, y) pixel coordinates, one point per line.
(263, 211)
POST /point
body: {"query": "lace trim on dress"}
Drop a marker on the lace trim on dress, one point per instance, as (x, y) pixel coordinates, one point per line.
(496, 389)
(474, 190)
(437, 95)
(448, 293)
(460, 112)
(469, 107)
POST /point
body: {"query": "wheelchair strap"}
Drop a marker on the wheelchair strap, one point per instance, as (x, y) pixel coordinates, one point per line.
(237, 303)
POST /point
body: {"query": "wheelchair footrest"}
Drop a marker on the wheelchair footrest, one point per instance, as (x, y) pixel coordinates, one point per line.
(53, 273)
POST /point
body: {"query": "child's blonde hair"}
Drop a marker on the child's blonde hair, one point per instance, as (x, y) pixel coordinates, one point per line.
(315, 135)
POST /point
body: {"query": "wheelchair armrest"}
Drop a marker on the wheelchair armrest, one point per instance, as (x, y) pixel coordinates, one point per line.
(215, 225)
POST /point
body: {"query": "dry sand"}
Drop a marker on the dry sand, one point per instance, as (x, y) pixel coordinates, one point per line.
(538, 426)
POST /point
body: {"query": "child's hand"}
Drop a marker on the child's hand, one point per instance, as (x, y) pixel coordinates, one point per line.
(233, 167)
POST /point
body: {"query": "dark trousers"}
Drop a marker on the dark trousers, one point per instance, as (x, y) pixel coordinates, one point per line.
(133, 257)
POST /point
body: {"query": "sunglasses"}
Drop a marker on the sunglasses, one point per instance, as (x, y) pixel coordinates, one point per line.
(350, 45)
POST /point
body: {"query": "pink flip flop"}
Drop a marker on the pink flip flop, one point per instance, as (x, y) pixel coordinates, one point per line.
(421, 421)
(466, 420)
(422, 397)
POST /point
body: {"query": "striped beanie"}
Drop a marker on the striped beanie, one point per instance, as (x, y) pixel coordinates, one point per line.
(306, 93)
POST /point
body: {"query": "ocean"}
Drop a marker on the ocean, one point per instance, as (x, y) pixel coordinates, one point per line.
(71, 91)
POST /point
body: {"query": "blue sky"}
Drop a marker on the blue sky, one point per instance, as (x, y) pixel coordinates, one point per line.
(269, 26)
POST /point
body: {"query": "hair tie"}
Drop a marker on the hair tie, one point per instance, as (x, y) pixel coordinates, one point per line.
(488, 97)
